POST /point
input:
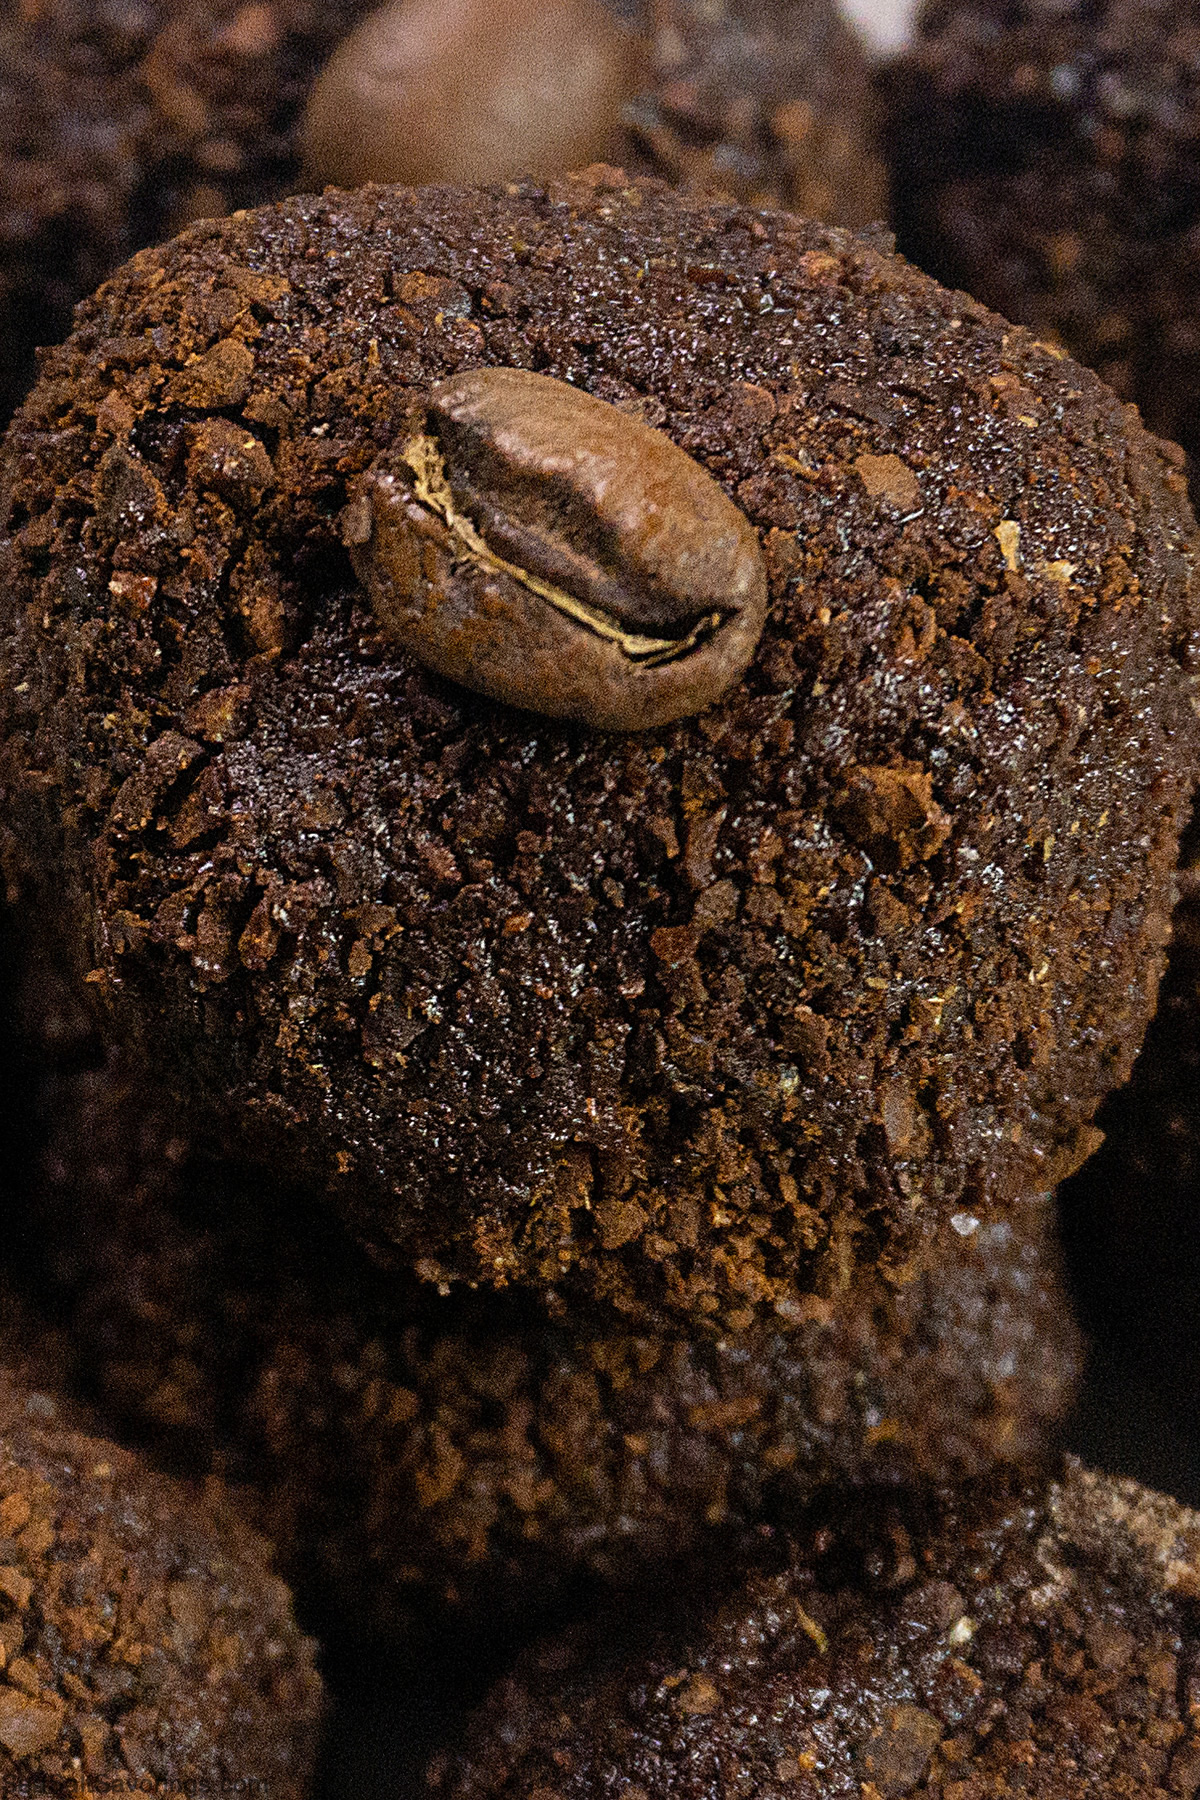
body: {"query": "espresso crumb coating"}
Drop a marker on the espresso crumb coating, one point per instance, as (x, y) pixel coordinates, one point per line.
(121, 122)
(1046, 159)
(147, 1649)
(406, 1451)
(696, 1022)
(1023, 1637)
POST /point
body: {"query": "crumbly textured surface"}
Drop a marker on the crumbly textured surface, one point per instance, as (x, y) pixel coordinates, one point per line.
(121, 122)
(696, 1022)
(1132, 1214)
(1046, 159)
(1022, 1638)
(407, 1451)
(146, 1648)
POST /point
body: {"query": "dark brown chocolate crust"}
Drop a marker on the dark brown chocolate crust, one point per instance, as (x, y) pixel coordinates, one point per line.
(1017, 1639)
(407, 1452)
(1046, 158)
(121, 123)
(145, 1646)
(696, 1022)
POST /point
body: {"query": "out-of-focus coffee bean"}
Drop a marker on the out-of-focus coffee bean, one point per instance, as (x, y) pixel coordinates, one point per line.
(471, 91)
(542, 547)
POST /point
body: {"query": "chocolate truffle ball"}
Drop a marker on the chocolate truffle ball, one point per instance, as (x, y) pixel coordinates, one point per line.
(1045, 158)
(405, 1452)
(146, 1646)
(1021, 1637)
(698, 1021)
(119, 124)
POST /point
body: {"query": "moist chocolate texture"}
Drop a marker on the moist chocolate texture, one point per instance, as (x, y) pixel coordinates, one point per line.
(409, 1454)
(1046, 159)
(697, 1022)
(1022, 1637)
(120, 123)
(147, 1646)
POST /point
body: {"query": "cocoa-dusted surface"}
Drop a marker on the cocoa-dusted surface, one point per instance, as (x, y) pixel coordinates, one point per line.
(147, 1647)
(408, 1453)
(1018, 1638)
(696, 1022)
(121, 122)
(1046, 159)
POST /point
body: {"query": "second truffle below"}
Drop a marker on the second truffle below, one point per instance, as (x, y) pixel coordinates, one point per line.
(147, 1646)
(1025, 1638)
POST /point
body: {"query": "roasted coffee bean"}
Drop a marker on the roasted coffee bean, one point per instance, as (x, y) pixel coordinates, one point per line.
(471, 91)
(544, 548)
